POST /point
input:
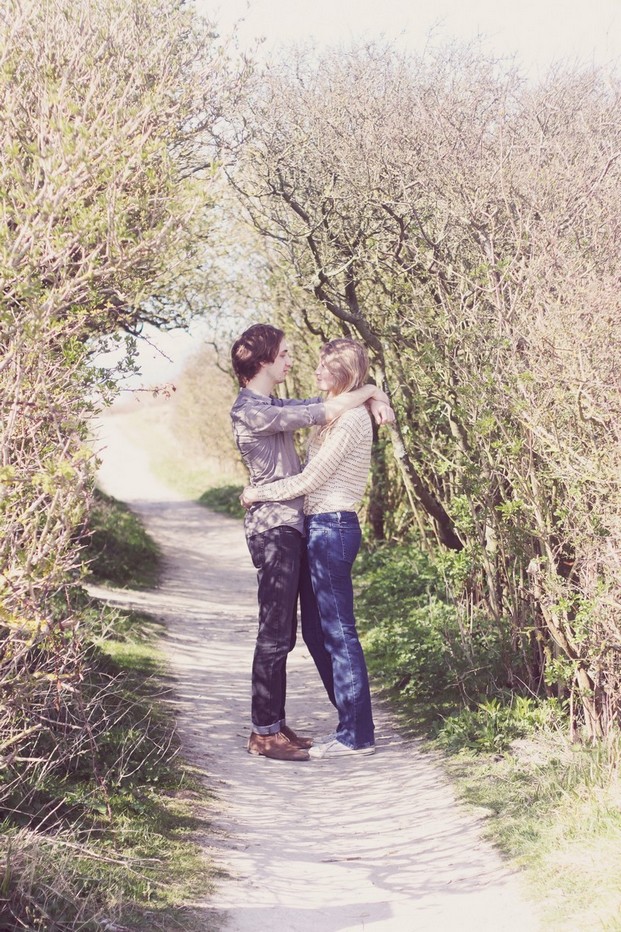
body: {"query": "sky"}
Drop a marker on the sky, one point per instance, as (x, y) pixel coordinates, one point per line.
(538, 32)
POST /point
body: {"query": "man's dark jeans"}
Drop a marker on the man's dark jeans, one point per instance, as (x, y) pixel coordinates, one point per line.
(276, 554)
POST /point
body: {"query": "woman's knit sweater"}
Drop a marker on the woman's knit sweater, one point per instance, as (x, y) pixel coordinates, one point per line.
(336, 473)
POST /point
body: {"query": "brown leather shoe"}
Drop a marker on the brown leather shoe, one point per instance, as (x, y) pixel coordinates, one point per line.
(296, 740)
(277, 746)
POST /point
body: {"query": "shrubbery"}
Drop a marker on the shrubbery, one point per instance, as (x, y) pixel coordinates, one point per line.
(225, 499)
(107, 109)
(463, 222)
(95, 828)
(494, 724)
(107, 117)
(118, 550)
(415, 636)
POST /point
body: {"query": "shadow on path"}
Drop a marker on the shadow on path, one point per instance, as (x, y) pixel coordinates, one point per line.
(321, 846)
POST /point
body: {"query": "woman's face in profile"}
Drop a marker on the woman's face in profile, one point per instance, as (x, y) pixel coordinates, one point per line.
(325, 379)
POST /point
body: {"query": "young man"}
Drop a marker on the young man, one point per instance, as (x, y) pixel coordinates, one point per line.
(263, 427)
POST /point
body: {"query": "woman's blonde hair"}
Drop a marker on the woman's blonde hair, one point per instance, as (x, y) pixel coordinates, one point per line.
(347, 361)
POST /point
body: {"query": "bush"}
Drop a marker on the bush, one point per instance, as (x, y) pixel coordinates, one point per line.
(106, 112)
(471, 238)
(494, 725)
(106, 836)
(118, 549)
(96, 829)
(415, 636)
(224, 499)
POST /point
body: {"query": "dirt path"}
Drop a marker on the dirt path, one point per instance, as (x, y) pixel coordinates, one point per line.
(321, 846)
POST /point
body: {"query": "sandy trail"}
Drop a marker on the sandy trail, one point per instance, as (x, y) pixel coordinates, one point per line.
(373, 844)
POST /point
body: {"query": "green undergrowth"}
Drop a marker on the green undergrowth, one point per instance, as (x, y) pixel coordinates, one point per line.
(118, 550)
(554, 809)
(224, 499)
(552, 806)
(110, 839)
(414, 637)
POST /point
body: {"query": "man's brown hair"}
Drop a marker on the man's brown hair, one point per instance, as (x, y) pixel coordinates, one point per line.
(258, 344)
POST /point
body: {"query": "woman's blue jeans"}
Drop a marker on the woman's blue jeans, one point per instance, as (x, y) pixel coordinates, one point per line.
(332, 541)
(312, 632)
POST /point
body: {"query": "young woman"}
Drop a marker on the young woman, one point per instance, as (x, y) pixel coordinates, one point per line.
(333, 483)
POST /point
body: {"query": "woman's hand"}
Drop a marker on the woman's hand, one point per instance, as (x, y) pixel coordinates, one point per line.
(382, 413)
(248, 497)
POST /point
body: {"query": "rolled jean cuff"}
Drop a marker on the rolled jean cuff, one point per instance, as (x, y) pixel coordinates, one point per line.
(268, 729)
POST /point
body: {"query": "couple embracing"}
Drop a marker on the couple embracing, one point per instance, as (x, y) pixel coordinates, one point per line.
(303, 533)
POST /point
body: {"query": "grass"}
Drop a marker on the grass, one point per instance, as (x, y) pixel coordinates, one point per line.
(554, 810)
(552, 807)
(112, 841)
(118, 550)
(159, 804)
(224, 499)
(122, 848)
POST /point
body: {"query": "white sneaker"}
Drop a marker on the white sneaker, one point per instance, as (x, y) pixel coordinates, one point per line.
(336, 748)
(324, 739)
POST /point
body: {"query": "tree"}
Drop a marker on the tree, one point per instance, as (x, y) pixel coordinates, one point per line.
(464, 226)
(106, 157)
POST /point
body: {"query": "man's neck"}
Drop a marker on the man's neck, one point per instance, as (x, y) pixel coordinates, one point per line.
(261, 384)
